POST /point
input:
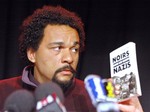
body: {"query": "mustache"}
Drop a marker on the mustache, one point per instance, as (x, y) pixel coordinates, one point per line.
(66, 67)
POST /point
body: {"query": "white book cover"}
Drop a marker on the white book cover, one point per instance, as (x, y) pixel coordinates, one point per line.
(124, 71)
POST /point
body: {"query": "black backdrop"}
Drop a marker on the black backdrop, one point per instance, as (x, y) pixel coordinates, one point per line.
(108, 24)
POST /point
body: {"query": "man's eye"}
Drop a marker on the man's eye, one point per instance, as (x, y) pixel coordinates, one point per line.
(75, 50)
(56, 48)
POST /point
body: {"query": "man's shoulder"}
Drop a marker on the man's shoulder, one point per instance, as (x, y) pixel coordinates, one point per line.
(10, 79)
(7, 86)
(79, 82)
(75, 96)
(79, 85)
(15, 81)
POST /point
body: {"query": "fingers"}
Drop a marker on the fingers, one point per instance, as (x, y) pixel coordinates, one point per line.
(127, 108)
(117, 89)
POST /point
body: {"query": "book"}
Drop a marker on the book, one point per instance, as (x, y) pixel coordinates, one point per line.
(124, 71)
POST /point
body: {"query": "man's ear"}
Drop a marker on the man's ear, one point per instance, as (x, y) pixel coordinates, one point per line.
(31, 55)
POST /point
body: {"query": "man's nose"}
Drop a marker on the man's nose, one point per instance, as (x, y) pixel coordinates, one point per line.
(67, 56)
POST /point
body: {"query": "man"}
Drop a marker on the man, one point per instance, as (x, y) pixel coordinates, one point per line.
(51, 40)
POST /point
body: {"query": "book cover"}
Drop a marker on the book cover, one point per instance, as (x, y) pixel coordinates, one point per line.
(124, 71)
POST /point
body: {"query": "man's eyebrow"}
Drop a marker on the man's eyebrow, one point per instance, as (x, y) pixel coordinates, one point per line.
(62, 43)
(55, 43)
(76, 43)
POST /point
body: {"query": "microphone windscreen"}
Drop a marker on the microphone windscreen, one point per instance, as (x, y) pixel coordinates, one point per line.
(95, 88)
(20, 101)
(48, 88)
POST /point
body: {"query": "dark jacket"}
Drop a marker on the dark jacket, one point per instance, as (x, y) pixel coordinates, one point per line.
(76, 98)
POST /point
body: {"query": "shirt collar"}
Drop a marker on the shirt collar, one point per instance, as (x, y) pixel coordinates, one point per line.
(27, 76)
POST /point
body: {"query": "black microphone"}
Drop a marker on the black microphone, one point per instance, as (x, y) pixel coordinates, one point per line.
(19, 101)
(49, 98)
(101, 93)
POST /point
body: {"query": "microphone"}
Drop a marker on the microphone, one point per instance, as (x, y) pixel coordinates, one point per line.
(49, 98)
(101, 92)
(20, 101)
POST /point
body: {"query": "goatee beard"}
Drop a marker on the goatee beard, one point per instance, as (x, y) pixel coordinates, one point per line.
(66, 84)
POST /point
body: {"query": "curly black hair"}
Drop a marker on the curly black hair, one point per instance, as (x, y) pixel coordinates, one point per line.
(34, 25)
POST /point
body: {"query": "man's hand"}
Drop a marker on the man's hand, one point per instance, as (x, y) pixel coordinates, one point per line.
(131, 105)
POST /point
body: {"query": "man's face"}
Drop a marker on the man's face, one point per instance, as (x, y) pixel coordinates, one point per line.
(57, 55)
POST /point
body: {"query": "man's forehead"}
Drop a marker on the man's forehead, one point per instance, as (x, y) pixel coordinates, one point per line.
(61, 34)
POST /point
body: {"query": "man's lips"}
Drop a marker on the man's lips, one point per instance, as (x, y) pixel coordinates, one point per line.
(66, 72)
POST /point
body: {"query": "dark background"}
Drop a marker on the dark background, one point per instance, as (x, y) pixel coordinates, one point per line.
(108, 25)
